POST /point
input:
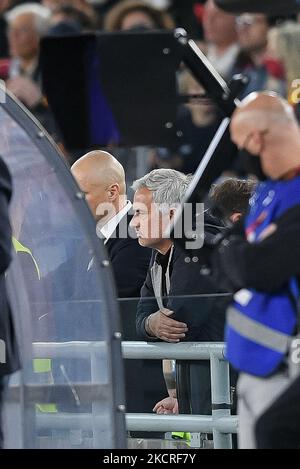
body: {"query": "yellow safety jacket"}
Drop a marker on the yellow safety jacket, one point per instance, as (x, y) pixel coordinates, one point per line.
(185, 436)
(40, 365)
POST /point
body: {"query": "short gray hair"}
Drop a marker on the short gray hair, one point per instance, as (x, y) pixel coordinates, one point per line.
(167, 185)
(40, 13)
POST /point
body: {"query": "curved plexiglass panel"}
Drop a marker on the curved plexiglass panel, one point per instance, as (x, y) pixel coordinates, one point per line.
(63, 304)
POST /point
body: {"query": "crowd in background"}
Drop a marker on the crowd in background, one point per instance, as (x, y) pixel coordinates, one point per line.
(263, 48)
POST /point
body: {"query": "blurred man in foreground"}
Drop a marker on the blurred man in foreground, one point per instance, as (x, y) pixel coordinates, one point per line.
(9, 361)
(260, 259)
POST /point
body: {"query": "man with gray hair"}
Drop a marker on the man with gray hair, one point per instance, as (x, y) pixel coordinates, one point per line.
(169, 309)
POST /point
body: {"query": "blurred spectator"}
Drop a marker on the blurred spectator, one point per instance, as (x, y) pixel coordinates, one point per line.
(221, 37)
(4, 5)
(181, 11)
(284, 45)
(66, 19)
(265, 73)
(26, 25)
(136, 14)
(52, 4)
(198, 125)
(198, 120)
(188, 15)
(160, 4)
(102, 7)
(82, 6)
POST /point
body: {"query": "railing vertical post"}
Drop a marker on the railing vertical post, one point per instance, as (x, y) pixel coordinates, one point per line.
(95, 358)
(220, 398)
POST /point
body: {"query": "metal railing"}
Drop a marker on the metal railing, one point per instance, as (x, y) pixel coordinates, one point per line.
(221, 424)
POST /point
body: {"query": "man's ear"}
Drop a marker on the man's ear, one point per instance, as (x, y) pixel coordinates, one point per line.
(113, 192)
(256, 143)
(235, 217)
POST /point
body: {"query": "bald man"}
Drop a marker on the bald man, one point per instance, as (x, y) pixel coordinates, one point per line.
(260, 260)
(102, 179)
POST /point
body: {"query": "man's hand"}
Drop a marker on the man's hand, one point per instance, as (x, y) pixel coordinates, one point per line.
(26, 90)
(165, 328)
(169, 405)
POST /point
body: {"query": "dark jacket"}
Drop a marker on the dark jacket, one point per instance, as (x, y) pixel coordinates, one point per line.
(129, 260)
(204, 316)
(6, 323)
(130, 263)
(265, 266)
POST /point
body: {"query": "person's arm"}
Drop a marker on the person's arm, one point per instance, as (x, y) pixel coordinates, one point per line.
(153, 324)
(266, 265)
(146, 306)
(168, 405)
(161, 325)
(169, 376)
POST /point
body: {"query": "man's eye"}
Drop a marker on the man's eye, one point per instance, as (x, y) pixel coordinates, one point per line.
(139, 212)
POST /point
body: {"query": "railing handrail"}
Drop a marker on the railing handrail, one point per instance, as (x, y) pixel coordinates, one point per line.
(182, 423)
(179, 351)
(133, 350)
(146, 422)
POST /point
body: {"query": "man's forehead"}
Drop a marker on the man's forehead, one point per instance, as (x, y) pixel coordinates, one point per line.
(143, 195)
(85, 176)
(139, 205)
(25, 18)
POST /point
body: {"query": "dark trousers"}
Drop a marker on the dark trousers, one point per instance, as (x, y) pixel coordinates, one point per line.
(193, 387)
(279, 426)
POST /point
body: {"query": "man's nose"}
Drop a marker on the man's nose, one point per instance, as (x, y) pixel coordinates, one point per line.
(133, 222)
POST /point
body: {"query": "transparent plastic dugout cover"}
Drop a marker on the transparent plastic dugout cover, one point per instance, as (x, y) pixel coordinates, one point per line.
(69, 391)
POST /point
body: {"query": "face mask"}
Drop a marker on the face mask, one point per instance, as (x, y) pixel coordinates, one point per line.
(252, 165)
